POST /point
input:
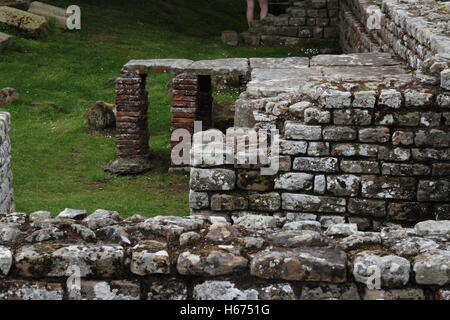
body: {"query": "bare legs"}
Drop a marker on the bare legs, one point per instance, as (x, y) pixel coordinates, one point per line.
(263, 4)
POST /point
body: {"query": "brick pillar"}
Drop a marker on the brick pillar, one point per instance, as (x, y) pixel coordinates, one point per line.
(131, 126)
(191, 101)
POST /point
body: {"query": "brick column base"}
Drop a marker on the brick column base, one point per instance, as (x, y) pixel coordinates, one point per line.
(131, 126)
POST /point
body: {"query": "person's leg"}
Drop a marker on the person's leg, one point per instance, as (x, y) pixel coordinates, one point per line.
(250, 11)
(264, 5)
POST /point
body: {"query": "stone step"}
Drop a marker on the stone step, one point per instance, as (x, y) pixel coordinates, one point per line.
(50, 12)
(5, 41)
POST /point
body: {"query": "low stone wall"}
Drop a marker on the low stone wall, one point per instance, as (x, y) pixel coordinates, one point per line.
(311, 19)
(103, 256)
(415, 31)
(357, 152)
(6, 179)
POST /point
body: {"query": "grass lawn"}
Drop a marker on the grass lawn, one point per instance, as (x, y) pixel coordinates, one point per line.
(57, 162)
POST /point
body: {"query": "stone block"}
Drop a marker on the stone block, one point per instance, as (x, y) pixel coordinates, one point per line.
(254, 181)
(298, 131)
(309, 203)
(350, 117)
(212, 179)
(325, 164)
(315, 264)
(337, 133)
(388, 187)
(433, 190)
(343, 185)
(359, 166)
(379, 134)
(265, 202)
(294, 181)
(226, 202)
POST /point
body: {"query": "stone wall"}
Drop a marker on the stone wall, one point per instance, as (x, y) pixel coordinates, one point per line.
(6, 179)
(103, 256)
(311, 19)
(360, 152)
(415, 31)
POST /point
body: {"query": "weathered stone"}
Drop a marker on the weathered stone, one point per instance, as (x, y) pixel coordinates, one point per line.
(364, 99)
(394, 270)
(221, 232)
(441, 169)
(167, 289)
(403, 169)
(393, 154)
(303, 225)
(432, 138)
(409, 119)
(212, 262)
(102, 218)
(402, 138)
(293, 239)
(45, 234)
(150, 257)
(394, 294)
(83, 232)
(330, 292)
(298, 131)
(326, 164)
(171, 226)
(309, 203)
(72, 214)
(30, 290)
(256, 222)
(8, 96)
(379, 134)
(290, 147)
(318, 149)
(222, 290)
(412, 246)
(355, 166)
(9, 232)
(430, 119)
(367, 207)
(265, 202)
(306, 264)
(445, 79)
(342, 230)
(113, 290)
(360, 240)
(349, 117)
(388, 187)
(410, 211)
(212, 179)
(40, 216)
(101, 115)
(335, 99)
(337, 133)
(390, 98)
(350, 150)
(31, 25)
(198, 200)
(225, 202)
(6, 259)
(417, 99)
(343, 185)
(294, 181)
(189, 237)
(254, 181)
(298, 109)
(433, 190)
(433, 228)
(316, 116)
(47, 260)
(327, 221)
(433, 268)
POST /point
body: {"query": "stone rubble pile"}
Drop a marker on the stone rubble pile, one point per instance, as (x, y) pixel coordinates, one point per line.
(198, 257)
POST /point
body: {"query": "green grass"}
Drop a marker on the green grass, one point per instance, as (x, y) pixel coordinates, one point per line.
(57, 162)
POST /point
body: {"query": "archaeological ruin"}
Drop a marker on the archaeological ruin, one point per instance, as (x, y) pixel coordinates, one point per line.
(363, 180)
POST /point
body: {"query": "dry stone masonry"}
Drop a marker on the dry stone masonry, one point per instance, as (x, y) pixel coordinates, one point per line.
(207, 258)
(6, 179)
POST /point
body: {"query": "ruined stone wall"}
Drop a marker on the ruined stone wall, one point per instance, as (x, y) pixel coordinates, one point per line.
(312, 19)
(6, 179)
(363, 154)
(179, 258)
(417, 32)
